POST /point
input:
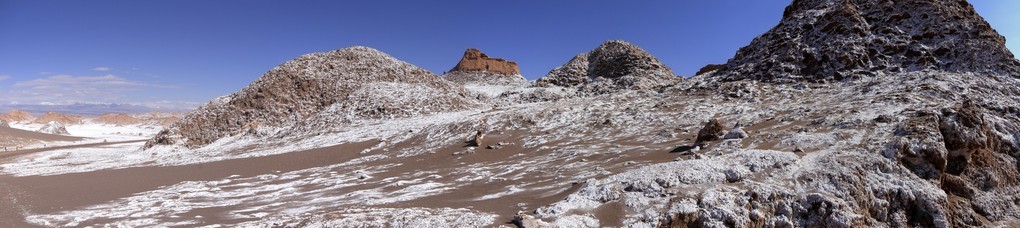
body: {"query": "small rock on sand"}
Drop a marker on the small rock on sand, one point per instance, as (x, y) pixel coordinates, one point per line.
(712, 131)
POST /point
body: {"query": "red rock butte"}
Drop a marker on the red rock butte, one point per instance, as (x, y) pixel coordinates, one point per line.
(475, 60)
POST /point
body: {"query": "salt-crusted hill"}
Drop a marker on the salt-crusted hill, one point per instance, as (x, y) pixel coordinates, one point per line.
(350, 83)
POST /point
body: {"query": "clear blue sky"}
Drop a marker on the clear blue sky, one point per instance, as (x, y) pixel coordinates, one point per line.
(147, 52)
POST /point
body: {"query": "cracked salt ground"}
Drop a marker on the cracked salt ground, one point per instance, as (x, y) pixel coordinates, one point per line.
(403, 186)
(547, 162)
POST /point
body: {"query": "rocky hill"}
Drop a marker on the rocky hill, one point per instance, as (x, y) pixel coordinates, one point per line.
(332, 87)
(832, 40)
(53, 128)
(477, 67)
(613, 65)
(60, 118)
(17, 116)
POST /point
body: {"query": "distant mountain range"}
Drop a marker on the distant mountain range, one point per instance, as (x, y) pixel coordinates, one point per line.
(87, 109)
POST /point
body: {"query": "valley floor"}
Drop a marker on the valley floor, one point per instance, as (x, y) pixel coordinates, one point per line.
(588, 161)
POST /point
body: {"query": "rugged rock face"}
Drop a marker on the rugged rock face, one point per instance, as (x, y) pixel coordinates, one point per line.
(970, 153)
(316, 89)
(54, 128)
(933, 161)
(17, 116)
(117, 119)
(60, 118)
(573, 73)
(924, 135)
(826, 40)
(476, 67)
(613, 65)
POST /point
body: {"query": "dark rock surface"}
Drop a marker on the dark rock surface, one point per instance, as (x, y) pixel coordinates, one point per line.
(613, 65)
(712, 131)
(826, 40)
(710, 68)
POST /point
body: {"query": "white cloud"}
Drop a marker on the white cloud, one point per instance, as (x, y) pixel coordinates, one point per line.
(4, 77)
(67, 89)
(101, 69)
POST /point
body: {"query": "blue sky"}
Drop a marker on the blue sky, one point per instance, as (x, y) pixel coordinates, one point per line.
(187, 51)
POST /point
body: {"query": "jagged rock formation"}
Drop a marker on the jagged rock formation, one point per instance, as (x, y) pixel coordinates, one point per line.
(613, 65)
(64, 119)
(477, 67)
(712, 131)
(825, 40)
(17, 116)
(573, 73)
(709, 68)
(970, 153)
(54, 128)
(319, 89)
(117, 119)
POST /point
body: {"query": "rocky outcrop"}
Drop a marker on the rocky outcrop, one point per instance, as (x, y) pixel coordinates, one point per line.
(969, 153)
(736, 133)
(475, 60)
(477, 67)
(712, 131)
(17, 116)
(478, 139)
(573, 73)
(117, 119)
(709, 68)
(525, 220)
(64, 119)
(832, 40)
(53, 128)
(3, 123)
(319, 89)
(613, 65)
